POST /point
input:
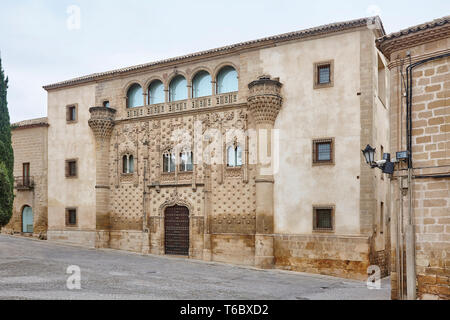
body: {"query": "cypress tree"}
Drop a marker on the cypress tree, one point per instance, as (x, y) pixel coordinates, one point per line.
(6, 155)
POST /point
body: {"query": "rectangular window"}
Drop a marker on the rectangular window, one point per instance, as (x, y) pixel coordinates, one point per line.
(323, 74)
(71, 113)
(169, 160)
(71, 217)
(323, 151)
(381, 217)
(26, 174)
(106, 104)
(71, 168)
(186, 164)
(323, 219)
(381, 81)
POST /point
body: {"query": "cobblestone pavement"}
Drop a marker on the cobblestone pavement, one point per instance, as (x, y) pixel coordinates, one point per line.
(33, 269)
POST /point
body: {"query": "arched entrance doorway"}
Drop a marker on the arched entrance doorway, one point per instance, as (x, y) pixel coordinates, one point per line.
(27, 220)
(176, 226)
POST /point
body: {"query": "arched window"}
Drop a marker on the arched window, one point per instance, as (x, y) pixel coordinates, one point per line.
(124, 164)
(127, 164)
(156, 92)
(186, 163)
(130, 164)
(227, 80)
(234, 156)
(178, 89)
(169, 161)
(134, 96)
(201, 85)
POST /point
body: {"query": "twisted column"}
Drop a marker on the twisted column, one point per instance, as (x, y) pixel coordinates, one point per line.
(102, 124)
(264, 103)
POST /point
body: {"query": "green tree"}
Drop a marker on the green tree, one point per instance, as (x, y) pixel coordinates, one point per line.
(6, 155)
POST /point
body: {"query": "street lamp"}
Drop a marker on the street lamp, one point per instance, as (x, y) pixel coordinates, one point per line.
(369, 154)
(384, 165)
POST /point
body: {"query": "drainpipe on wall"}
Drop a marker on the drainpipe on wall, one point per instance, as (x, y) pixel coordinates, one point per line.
(410, 246)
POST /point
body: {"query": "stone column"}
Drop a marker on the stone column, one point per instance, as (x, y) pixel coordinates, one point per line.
(264, 103)
(102, 124)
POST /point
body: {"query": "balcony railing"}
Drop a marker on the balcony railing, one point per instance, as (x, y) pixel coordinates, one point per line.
(184, 105)
(24, 183)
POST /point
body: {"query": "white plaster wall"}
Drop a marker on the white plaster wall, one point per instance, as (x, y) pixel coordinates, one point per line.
(71, 141)
(308, 114)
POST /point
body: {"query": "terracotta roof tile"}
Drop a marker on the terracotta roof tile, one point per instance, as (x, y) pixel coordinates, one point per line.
(31, 123)
(423, 26)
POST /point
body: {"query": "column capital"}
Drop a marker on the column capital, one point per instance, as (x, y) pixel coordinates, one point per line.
(102, 122)
(265, 101)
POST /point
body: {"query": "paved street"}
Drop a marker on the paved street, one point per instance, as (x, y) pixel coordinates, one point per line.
(32, 269)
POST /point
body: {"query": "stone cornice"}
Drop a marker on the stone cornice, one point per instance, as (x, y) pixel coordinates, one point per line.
(231, 49)
(414, 36)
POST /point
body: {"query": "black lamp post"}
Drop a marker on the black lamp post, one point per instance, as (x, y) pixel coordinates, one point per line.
(369, 154)
(384, 165)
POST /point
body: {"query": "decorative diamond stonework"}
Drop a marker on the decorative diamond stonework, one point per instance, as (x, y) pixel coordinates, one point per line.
(264, 100)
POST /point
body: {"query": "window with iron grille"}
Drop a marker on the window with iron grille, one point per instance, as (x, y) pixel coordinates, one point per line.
(323, 74)
(71, 217)
(323, 219)
(323, 151)
(71, 168)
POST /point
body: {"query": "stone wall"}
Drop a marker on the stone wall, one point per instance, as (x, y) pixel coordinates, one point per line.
(346, 257)
(431, 140)
(432, 219)
(74, 237)
(29, 140)
(430, 157)
(233, 248)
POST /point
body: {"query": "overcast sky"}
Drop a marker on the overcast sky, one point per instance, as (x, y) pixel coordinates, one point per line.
(41, 41)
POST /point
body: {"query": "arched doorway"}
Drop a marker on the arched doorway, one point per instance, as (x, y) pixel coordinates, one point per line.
(27, 220)
(176, 226)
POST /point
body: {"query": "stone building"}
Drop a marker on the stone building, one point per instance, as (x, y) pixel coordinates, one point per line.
(29, 140)
(247, 154)
(420, 123)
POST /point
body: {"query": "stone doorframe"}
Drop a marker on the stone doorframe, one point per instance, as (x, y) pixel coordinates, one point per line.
(162, 210)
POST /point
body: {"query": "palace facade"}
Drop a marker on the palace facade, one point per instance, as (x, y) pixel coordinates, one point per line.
(246, 154)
